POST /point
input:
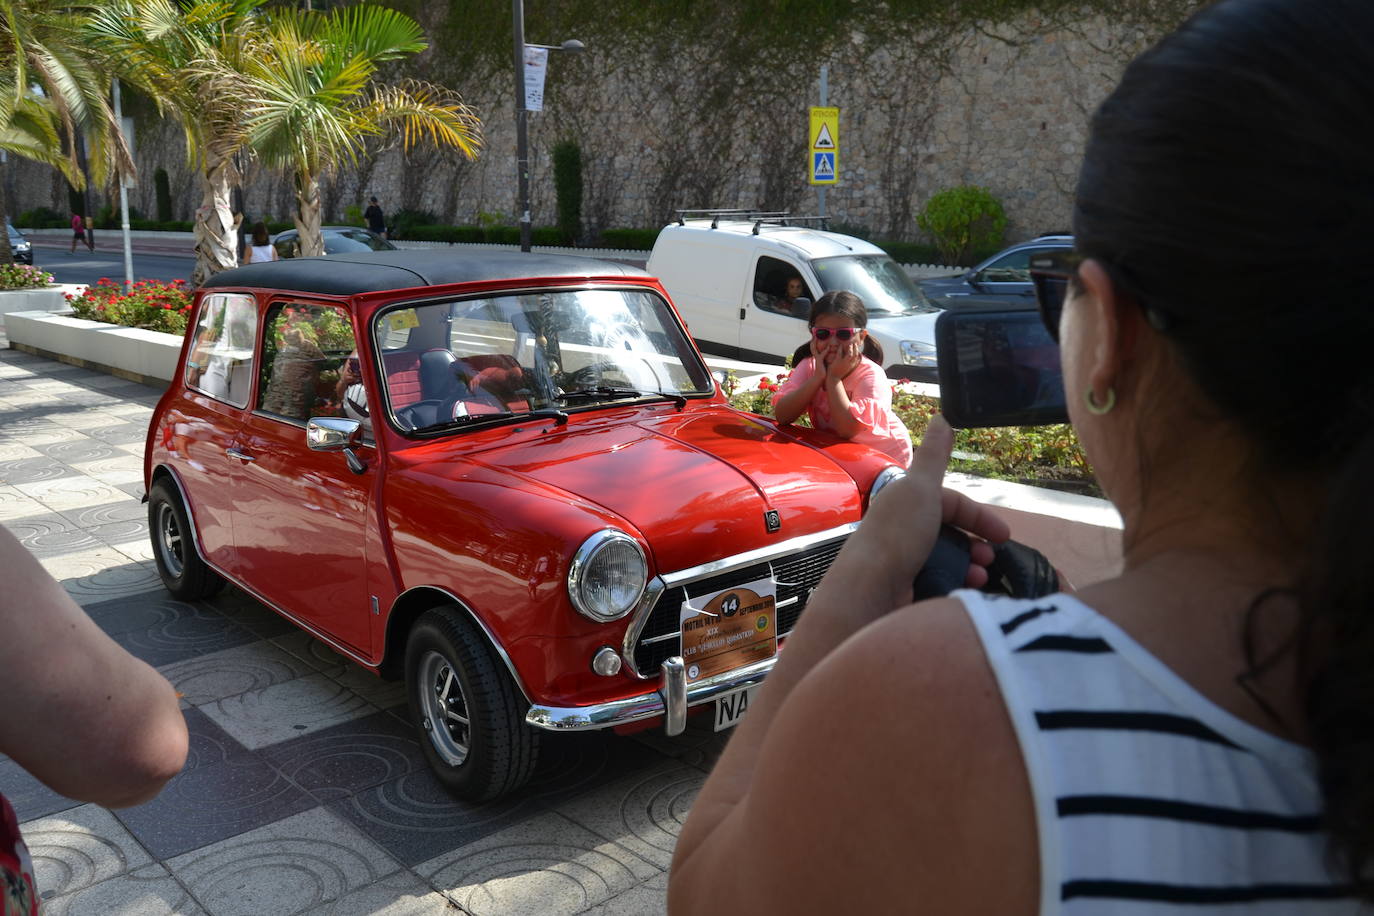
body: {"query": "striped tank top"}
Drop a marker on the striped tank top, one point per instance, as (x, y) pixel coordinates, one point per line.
(1149, 798)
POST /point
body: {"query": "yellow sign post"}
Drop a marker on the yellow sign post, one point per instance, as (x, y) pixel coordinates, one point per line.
(823, 153)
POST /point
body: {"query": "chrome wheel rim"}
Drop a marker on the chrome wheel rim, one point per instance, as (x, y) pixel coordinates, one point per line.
(170, 543)
(444, 709)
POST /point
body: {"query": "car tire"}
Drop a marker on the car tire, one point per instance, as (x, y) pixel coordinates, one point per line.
(184, 573)
(469, 716)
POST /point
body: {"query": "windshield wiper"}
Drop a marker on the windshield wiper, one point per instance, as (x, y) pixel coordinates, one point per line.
(465, 420)
(613, 393)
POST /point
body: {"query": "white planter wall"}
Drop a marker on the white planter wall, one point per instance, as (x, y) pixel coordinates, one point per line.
(31, 300)
(133, 353)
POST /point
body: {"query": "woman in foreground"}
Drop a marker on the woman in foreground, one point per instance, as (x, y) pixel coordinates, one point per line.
(1198, 732)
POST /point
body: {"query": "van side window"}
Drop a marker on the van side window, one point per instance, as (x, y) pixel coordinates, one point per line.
(777, 286)
(220, 363)
(303, 351)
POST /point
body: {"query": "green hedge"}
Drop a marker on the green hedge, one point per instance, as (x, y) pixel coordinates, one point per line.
(635, 239)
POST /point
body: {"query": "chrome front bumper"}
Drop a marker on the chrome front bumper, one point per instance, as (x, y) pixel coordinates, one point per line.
(671, 700)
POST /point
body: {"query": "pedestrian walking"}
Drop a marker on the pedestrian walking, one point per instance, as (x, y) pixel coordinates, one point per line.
(376, 219)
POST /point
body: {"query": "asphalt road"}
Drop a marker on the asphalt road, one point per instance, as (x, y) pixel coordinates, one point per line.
(108, 261)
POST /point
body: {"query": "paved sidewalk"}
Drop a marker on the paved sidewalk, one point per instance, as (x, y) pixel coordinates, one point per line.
(304, 791)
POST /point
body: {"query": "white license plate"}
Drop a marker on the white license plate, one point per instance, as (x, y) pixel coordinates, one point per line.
(732, 707)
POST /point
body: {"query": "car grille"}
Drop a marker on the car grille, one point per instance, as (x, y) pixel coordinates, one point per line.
(796, 575)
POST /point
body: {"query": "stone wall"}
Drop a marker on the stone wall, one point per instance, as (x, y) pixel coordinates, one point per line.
(1003, 106)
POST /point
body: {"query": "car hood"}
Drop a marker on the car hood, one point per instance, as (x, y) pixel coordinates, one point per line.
(890, 331)
(943, 286)
(690, 482)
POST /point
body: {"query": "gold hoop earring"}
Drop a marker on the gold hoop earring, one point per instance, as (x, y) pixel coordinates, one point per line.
(1090, 398)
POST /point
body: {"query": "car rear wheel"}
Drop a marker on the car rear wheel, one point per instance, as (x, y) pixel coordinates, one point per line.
(468, 713)
(179, 564)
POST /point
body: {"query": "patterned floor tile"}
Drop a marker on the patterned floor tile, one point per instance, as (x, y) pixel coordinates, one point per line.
(124, 531)
(547, 865)
(74, 492)
(644, 812)
(649, 898)
(381, 693)
(51, 535)
(122, 509)
(102, 574)
(35, 470)
(79, 848)
(699, 744)
(209, 744)
(284, 711)
(77, 451)
(140, 612)
(84, 418)
(229, 672)
(252, 615)
(17, 451)
(415, 819)
(312, 650)
(179, 631)
(401, 894)
(119, 432)
(337, 762)
(30, 798)
(213, 802)
(15, 506)
(290, 866)
(116, 469)
(148, 891)
(38, 434)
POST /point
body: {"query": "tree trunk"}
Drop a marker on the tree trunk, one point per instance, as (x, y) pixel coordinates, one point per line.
(307, 215)
(6, 253)
(216, 228)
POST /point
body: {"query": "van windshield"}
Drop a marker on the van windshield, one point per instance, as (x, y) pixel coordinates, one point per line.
(878, 280)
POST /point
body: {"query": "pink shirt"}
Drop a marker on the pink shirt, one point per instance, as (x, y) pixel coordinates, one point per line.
(870, 402)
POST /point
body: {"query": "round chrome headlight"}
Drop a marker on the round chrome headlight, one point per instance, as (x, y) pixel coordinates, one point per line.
(918, 353)
(885, 477)
(607, 576)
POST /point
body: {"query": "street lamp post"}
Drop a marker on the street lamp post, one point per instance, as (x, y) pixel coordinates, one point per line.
(522, 140)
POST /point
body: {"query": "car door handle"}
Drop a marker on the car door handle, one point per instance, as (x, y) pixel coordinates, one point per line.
(240, 455)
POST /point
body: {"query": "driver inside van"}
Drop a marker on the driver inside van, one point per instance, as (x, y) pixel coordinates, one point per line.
(794, 288)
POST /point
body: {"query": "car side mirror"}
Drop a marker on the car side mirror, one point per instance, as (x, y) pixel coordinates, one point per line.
(801, 308)
(336, 434)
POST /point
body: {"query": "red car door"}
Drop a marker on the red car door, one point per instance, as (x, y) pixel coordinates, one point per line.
(300, 516)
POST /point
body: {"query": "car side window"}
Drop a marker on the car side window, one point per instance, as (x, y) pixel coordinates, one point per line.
(220, 363)
(771, 285)
(1010, 268)
(304, 348)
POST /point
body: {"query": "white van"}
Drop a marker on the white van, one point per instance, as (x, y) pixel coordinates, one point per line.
(727, 273)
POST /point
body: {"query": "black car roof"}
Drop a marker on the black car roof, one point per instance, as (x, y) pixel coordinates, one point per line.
(378, 271)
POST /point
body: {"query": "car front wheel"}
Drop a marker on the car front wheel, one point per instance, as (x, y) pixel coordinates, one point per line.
(466, 708)
(179, 565)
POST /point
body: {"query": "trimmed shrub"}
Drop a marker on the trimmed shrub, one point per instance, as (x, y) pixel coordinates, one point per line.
(163, 189)
(402, 221)
(567, 182)
(633, 239)
(910, 252)
(962, 221)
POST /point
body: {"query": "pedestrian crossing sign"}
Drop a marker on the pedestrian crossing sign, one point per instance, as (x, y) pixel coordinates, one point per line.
(823, 169)
(823, 155)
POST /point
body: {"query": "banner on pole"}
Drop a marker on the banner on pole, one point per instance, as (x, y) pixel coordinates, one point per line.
(536, 66)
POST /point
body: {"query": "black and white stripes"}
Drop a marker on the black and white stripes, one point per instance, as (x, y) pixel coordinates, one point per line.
(1150, 798)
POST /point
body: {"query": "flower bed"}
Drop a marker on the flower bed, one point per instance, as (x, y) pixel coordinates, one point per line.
(1041, 455)
(149, 304)
(23, 276)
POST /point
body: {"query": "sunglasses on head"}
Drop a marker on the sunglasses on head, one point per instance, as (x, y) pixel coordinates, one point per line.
(1051, 274)
(841, 334)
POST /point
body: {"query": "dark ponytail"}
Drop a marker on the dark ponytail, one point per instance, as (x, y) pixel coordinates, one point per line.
(1227, 186)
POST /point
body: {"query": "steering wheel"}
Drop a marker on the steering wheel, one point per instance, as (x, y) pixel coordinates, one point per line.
(421, 413)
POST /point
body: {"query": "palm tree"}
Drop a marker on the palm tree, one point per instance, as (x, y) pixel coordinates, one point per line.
(187, 56)
(51, 86)
(313, 105)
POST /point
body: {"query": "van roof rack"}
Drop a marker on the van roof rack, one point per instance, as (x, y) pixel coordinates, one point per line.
(757, 217)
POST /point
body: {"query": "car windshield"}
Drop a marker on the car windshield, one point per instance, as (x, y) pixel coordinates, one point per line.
(347, 240)
(454, 363)
(877, 279)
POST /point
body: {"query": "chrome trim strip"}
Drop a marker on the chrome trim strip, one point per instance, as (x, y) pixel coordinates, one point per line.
(646, 705)
(674, 695)
(663, 581)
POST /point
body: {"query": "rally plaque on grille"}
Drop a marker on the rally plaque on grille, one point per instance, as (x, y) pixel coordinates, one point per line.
(734, 627)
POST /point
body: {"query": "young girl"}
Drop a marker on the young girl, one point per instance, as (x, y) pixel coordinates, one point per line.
(838, 380)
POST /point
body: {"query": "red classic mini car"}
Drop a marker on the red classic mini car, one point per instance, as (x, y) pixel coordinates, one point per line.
(508, 478)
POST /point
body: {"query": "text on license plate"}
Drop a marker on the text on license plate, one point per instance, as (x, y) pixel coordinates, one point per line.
(731, 707)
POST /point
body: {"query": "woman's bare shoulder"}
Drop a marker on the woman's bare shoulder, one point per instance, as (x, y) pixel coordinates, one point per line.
(894, 770)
